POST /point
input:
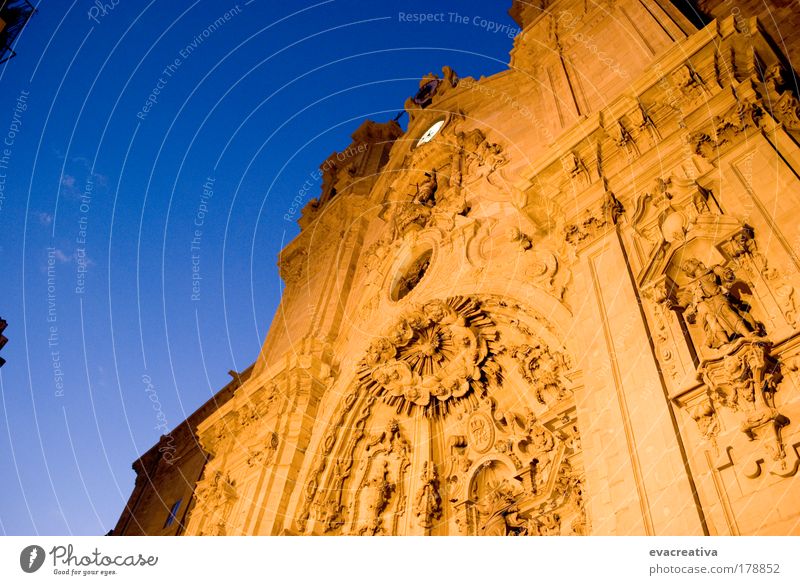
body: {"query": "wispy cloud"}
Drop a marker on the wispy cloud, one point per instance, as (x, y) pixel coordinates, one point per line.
(68, 257)
(44, 218)
(69, 187)
(62, 257)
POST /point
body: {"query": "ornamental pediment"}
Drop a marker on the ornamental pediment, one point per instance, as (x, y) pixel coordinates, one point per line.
(703, 240)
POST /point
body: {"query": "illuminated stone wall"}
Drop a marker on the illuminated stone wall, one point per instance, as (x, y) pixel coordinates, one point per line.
(563, 302)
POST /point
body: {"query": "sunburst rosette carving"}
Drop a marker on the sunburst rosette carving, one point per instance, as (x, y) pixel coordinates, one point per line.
(435, 355)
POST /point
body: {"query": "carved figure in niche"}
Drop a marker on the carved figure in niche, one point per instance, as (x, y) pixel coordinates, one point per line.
(540, 447)
(426, 190)
(722, 316)
(416, 214)
(380, 491)
(444, 207)
(428, 502)
(458, 464)
(501, 512)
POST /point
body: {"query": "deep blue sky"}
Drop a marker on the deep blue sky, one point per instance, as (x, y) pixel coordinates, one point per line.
(256, 105)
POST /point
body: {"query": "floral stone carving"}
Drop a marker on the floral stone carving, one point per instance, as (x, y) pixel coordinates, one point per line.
(541, 368)
(433, 355)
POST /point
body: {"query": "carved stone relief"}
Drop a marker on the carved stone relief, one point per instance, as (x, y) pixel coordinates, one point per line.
(542, 369)
(739, 375)
(364, 482)
(435, 354)
(690, 90)
(623, 139)
(527, 485)
(262, 455)
(540, 265)
(380, 498)
(431, 87)
(332, 508)
(784, 104)
(214, 498)
(744, 382)
(428, 506)
(594, 222)
(709, 303)
(725, 130)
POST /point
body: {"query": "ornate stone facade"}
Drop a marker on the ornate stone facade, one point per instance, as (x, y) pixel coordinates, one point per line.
(561, 303)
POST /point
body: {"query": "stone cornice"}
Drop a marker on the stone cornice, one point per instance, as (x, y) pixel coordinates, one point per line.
(714, 97)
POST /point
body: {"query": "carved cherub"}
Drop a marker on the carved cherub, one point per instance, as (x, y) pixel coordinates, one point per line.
(381, 350)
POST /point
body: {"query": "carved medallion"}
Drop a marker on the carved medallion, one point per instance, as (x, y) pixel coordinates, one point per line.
(434, 355)
(481, 432)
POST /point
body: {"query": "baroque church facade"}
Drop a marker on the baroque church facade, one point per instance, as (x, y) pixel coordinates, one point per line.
(563, 302)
